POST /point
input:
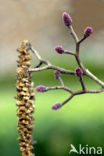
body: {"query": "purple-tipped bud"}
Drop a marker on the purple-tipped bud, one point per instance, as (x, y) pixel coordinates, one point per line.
(66, 19)
(56, 74)
(78, 71)
(56, 106)
(88, 31)
(59, 49)
(40, 88)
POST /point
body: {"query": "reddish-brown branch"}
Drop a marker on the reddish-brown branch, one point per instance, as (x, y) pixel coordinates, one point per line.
(86, 72)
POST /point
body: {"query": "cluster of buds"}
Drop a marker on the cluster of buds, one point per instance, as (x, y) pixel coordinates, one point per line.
(25, 100)
(79, 71)
(68, 22)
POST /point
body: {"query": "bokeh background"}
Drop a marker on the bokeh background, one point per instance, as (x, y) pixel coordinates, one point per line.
(80, 121)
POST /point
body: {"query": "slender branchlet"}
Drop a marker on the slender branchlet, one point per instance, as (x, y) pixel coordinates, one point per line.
(80, 71)
(25, 100)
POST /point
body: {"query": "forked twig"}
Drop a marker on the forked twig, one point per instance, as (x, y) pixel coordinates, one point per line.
(79, 71)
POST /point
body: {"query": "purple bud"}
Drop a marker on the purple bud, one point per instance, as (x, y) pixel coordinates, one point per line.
(88, 31)
(56, 74)
(78, 71)
(40, 88)
(59, 49)
(56, 106)
(66, 19)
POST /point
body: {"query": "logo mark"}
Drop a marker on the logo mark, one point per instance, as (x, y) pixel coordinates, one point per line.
(73, 149)
(85, 150)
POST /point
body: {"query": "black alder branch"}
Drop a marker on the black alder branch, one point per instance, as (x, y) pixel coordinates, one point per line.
(79, 71)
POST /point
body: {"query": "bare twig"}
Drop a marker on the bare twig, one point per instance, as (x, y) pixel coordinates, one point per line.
(69, 52)
(81, 92)
(93, 77)
(59, 87)
(61, 81)
(73, 34)
(85, 71)
(61, 70)
(37, 66)
(39, 57)
(84, 37)
(67, 99)
(82, 83)
(36, 53)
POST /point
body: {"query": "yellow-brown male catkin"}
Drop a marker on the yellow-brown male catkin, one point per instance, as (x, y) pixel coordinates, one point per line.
(25, 100)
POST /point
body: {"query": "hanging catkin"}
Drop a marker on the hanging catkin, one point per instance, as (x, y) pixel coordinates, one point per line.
(25, 100)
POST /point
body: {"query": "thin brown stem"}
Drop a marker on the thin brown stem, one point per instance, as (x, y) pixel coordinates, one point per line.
(82, 92)
(69, 52)
(82, 83)
(68, 99)
(39, 57)
(84, 37)
(73, 34)
(61, 81)
(59, 87)
(36, 53)
(37, 66)
(93, 77)
(61, 70)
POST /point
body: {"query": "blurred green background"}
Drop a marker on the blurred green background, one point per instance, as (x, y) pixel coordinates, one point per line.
(80, 121)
